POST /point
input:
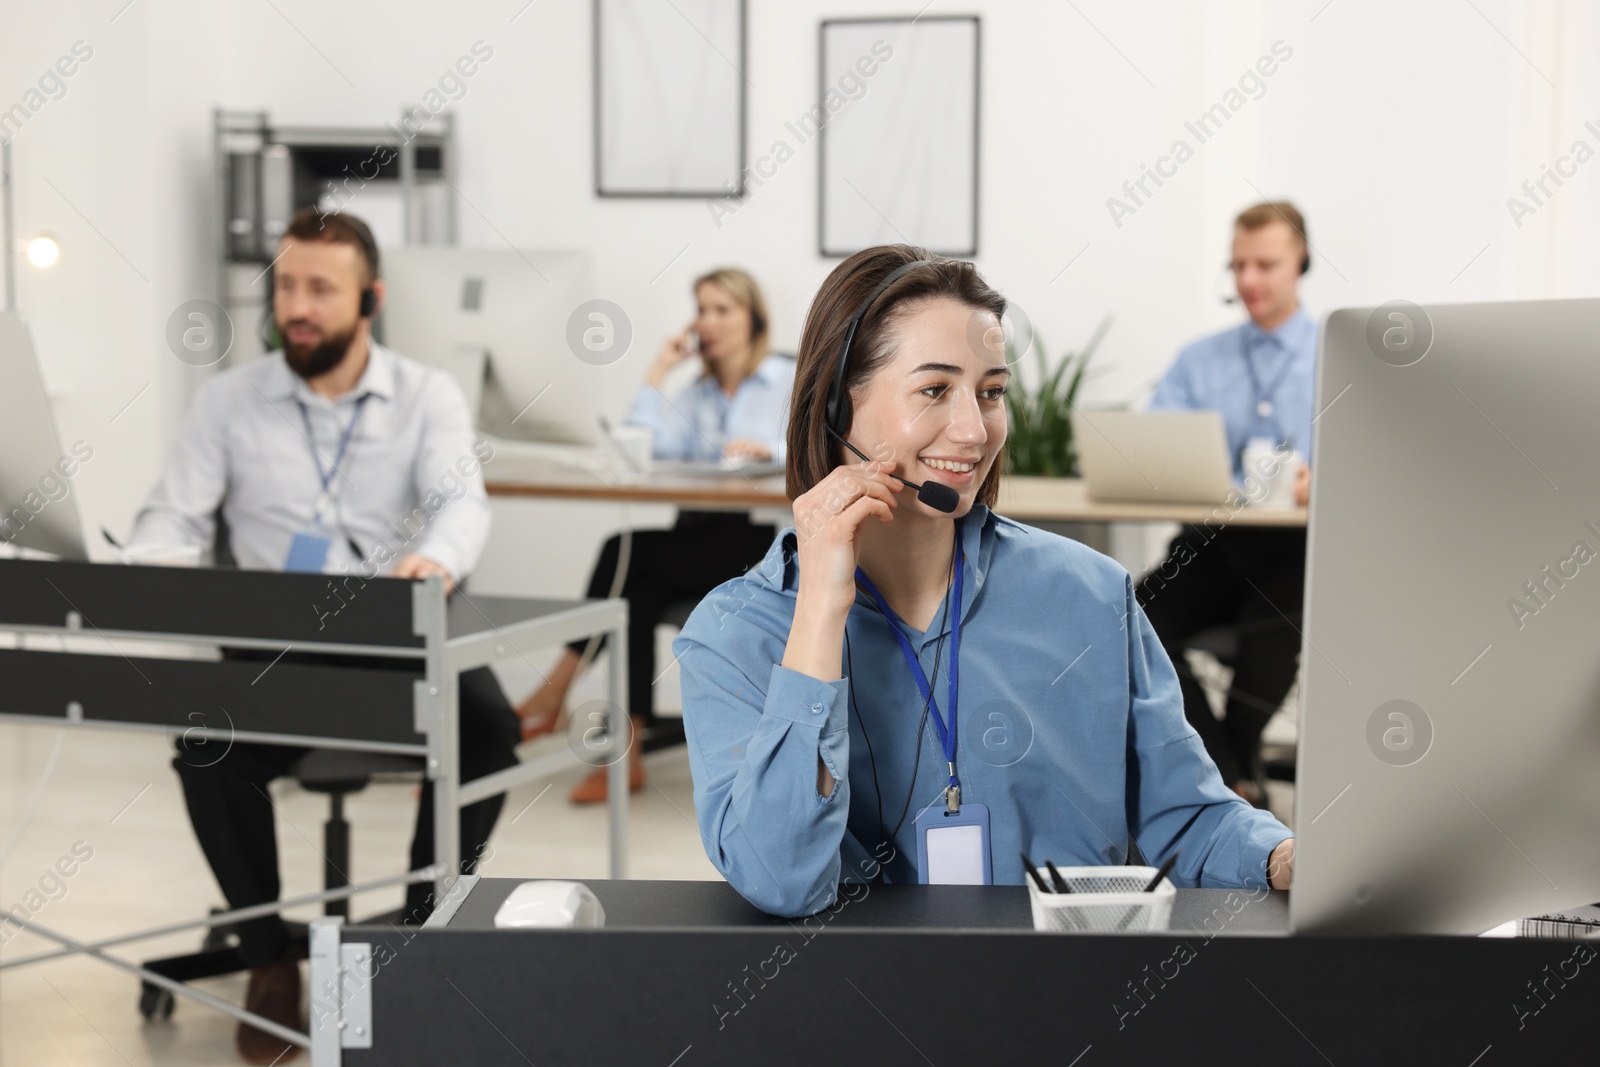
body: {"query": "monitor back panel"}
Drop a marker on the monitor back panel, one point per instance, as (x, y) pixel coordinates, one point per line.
(1449, 755)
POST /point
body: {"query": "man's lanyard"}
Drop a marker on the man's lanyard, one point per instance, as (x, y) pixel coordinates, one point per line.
(1263, 398)
(947, 734)
(324, 498)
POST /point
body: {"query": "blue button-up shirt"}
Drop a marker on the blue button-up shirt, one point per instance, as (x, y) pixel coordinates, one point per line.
(694, 425)
(1215, 373)
(410, 480)
(1070, 728)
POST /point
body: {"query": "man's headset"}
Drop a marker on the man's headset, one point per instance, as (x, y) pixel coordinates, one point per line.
(837, 413)
(369, 296)
(1233, 298)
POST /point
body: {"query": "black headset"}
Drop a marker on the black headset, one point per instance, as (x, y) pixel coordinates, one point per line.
(369, 245)
(837, 413)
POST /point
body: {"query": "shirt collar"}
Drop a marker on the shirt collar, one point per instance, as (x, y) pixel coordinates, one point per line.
(768, 372)
(770, 369)
(1289, 334)
(377, 379)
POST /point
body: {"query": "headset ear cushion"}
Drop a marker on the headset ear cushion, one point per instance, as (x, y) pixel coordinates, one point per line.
(1305, 263)
(842, 416)
(369, 303)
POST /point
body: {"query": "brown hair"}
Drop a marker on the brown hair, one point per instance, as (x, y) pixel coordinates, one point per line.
(812, 453)
(1269, 211)
(747, 294)
(309, 224)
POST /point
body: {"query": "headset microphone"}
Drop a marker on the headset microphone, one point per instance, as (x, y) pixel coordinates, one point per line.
(1223, 294)
(936, 495)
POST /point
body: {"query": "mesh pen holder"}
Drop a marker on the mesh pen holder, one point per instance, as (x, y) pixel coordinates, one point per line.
(1104, 900)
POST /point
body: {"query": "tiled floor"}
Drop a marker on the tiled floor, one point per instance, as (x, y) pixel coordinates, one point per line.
(115, 792)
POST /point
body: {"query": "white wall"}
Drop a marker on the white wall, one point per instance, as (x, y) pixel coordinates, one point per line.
(1400, 130)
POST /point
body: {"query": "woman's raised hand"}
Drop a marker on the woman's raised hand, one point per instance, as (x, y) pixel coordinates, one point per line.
(674, 350)
(828, 522)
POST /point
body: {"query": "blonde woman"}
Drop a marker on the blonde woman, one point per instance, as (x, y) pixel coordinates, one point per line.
(737, 409)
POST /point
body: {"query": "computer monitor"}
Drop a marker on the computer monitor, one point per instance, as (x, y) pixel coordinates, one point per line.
(37, 489)
(506, 311)
(1449, 755)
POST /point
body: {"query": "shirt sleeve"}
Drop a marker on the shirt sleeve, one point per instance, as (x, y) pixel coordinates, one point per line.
(460, 527)
(1176, 799)
(182, 509)
(1175, 391)
(756, 730)
(671, 431)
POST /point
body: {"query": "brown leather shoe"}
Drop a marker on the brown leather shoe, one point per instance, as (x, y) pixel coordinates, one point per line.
(596, 789)
(275, 994)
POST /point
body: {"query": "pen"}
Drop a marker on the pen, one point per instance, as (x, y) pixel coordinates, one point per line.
(1056, 879)
(1164, 870)
(1150, 887)
(1033, 872)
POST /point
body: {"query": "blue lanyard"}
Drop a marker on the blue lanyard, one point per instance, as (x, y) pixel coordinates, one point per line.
(326, 476)
(1264, 398)
(947, 734)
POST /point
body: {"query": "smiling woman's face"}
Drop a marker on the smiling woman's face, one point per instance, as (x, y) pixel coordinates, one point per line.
(937, 407)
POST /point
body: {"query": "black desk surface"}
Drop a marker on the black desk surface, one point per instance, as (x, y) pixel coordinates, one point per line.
(680, 905)
(688, 974)
(306, 610)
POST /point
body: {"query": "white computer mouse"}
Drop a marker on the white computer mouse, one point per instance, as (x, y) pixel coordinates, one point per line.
(551, 904)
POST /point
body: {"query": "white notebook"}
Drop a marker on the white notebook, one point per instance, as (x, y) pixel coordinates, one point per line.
(1574, 922)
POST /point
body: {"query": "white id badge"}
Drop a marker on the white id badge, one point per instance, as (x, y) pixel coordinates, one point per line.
(954, 849)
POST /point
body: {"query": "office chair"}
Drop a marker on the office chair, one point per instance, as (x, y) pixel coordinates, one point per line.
(1221, 643)
(336, 773)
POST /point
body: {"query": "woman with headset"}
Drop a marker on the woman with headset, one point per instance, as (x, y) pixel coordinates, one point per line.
(911, 687)
(733, 412)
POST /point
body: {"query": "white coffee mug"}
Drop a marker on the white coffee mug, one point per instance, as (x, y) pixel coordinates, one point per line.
(1270, 471)
(635, 443)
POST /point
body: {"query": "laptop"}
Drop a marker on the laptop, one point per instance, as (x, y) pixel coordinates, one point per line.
(1154, 457)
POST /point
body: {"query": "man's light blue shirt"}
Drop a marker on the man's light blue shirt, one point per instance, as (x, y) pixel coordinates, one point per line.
(1214, 373)
(1070, 728)
(700, 420)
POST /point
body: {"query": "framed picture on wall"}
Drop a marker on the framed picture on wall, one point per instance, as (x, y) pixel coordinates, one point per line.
(669, 97)
(898, 160)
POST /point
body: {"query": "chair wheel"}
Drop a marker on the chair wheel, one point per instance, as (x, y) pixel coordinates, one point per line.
(155, 1002)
